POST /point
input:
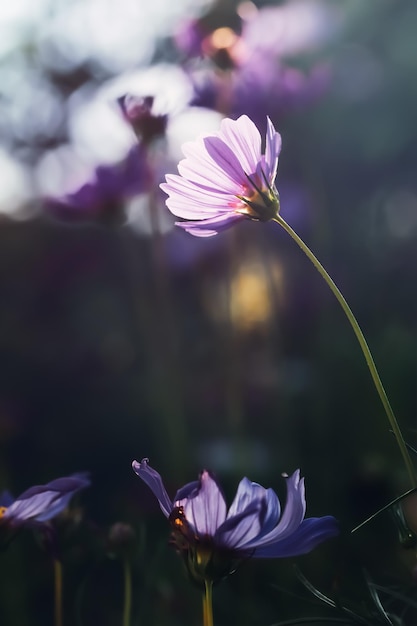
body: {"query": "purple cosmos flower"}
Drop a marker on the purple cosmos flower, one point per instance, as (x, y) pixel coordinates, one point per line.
(225, 179)
(138, 112)
(213, 540)
(40, 503)
(105, 195)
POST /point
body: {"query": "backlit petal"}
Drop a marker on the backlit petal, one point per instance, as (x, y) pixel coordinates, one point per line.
(238, 530)
(272, 150)
(207, 509)
(210, 227)
(293, 513)
(154, 481)
(309, 534)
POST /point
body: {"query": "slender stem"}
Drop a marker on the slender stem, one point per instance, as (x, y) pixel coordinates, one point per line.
(58, 592)
(127, 606)
(364, 346)
(208, 603)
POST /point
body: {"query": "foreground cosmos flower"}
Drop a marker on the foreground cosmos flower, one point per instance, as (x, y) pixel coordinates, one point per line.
(213, 540)
(225, 179)
(40, 503)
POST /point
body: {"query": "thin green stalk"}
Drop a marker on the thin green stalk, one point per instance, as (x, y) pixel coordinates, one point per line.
(127, 606)
(58, 592)
(362, 342)
(208, 603)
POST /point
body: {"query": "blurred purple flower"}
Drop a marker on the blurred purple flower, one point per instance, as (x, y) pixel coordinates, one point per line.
(138, 112)
(258, 81)
(104, 197)
(213, 540)
(40, 503)
(225, 179)
(260, 87)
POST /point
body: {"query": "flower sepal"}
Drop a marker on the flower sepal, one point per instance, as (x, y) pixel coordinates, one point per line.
(264, 206)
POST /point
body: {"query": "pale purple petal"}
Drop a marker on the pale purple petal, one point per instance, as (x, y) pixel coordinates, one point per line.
(71, 485)
(200, 169)
(206, 511)
(181, 207)
(270, 516)
(182, 188)
(293, 513)
(154, 481)
(247, 492)
(30, 507)
(309, 534)
(226, 160)
(43, 502)
(272, 150)
(240, 529)
(244, 140)
(210, 227)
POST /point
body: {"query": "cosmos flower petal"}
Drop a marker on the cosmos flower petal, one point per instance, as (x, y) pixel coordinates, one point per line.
(200, 169)
(272, 513)
(30, 507)
(240, 529)
(272, 150)
(154, 481)
(292, 515)
(43, 502)
(210, 227)
(226, 160)
(248, 492)
(187, 210)
(206, 510)
(309, 534)
(244, 140)
(196, 193)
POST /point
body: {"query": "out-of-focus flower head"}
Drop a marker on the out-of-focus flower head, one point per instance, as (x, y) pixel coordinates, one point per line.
(138, 113)
(121, 540)
(104, 196)
(246, 68)
(225, 179)
(40, 503)
(213, 540)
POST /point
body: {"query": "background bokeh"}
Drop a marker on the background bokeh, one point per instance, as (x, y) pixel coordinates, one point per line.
(121, 337)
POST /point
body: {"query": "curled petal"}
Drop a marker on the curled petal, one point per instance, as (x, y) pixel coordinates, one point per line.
(272, 150)
(292, 516)
(248, 492)
(154, 481)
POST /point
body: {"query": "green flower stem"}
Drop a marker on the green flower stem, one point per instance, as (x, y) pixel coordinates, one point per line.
(127, 606)
(208, 603)
(364, 346)
(58, 592)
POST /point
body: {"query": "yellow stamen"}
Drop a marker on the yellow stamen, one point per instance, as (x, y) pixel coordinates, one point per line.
(3, 510)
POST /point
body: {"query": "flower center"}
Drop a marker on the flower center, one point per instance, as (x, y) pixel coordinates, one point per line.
(3, 510)
(260, 203)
